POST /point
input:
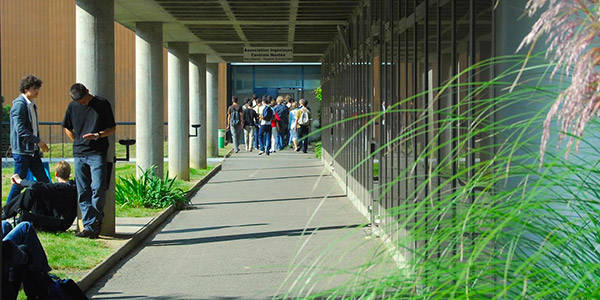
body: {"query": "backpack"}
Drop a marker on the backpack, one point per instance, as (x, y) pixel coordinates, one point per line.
(40, 213)
(235, 118)
(304, 117)
(267, 114)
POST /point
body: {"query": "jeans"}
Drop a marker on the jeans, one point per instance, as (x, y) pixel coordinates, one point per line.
(24, 235)
(280, 140)
(249, 137)
(303, 132)
(24, 163)
(237, 137)
(265, 138)
(256, 138)
(90, 177)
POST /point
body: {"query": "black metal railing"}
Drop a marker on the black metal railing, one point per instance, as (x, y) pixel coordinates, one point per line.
(53, 134)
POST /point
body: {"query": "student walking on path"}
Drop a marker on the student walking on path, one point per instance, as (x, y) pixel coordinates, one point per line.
(282, 125)
(25, 134)
(88, 122)
(303, 123)
(250, 121)
(292, 126)
(235, 120)
(266, 115)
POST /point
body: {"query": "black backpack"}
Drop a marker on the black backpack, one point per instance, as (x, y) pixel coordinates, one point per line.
(40, 213)
(235, 118)
(267, 113)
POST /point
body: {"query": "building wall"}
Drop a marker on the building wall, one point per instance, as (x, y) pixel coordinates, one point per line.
(45, 46)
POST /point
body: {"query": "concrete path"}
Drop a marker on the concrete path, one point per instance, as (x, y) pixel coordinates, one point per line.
(260, 228)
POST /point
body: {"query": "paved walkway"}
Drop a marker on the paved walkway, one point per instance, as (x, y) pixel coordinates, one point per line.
(245, 233)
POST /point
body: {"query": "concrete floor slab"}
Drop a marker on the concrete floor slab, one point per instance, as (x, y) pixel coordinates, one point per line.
(261, 227)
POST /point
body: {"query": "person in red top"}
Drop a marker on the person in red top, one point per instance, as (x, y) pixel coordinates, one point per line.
(274, 122)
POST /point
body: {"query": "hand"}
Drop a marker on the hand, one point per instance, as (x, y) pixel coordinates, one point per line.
(16, 179)
(91, 136)
(43, 146)
(227, 128)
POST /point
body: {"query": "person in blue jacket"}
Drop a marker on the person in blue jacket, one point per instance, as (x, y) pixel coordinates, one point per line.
(25, 134)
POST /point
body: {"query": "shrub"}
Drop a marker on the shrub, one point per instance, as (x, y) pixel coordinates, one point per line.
(149, 191)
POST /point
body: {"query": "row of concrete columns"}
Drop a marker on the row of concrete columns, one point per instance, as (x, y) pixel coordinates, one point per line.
(192, 94)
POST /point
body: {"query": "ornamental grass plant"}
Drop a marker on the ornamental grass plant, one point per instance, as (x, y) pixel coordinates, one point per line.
(149, 191)
(502, 227)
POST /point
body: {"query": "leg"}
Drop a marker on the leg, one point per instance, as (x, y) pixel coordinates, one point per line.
(6, 227)
(83, 179)
(24, 234)
(251, 140)
(260, 139)
(97, 165)
(268, 135)
(37, 168)
(22, 163)
(273, 139)
(256, 138)
(306, 139)
(234, 138)
(240, 135)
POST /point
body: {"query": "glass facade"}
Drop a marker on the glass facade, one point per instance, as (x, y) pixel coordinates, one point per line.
(298, 80)
(393, 68)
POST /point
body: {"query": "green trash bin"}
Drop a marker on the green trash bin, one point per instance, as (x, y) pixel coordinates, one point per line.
(221, 138)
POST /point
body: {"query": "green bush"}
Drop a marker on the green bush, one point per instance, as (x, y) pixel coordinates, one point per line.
(149, 191)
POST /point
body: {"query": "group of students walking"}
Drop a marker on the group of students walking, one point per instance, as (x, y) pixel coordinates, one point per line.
(269, 125)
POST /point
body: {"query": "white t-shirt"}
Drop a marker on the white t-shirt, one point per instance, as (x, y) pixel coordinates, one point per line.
(260, 111)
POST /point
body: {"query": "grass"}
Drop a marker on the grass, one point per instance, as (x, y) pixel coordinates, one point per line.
(72, 257)
(317, 147)
(501, 227)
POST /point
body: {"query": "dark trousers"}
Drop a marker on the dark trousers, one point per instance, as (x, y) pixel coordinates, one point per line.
(90, 177)
(265, 138)
(24, 234)
(24, 163)
(303, 132)
(256, 138)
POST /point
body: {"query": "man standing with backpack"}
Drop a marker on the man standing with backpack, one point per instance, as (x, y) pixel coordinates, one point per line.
(282, 127)
(266, 115)
(303, 123)
(235, 119)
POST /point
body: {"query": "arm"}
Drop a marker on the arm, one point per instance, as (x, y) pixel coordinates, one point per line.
(70, 134)
(19, 116)
(100, 134)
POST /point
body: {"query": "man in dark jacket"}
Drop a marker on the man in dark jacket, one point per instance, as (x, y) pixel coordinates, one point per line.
(24, 134)
(282, 110)
(56, 203)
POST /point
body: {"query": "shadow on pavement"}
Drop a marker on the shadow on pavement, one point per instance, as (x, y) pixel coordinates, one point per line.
(267, 178)
(258, 235)
(210, 228)
(268, 200)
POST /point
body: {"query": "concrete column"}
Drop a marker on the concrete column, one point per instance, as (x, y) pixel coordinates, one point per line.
(179, 124)
(95, 68)
(149, 106)
(212, 109)
(198, 110)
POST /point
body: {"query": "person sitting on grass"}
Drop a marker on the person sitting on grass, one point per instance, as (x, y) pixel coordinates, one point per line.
(23, 261)
(49, 206)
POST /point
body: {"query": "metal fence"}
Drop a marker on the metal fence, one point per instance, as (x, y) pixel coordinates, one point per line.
(392, 51)
(53, 134)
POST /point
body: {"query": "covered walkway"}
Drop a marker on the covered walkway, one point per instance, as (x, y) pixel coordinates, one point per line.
(249, 225)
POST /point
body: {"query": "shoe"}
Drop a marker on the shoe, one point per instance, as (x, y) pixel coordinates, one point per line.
(261, 153)
(88, 234)
(298, 149)
(238, 150)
